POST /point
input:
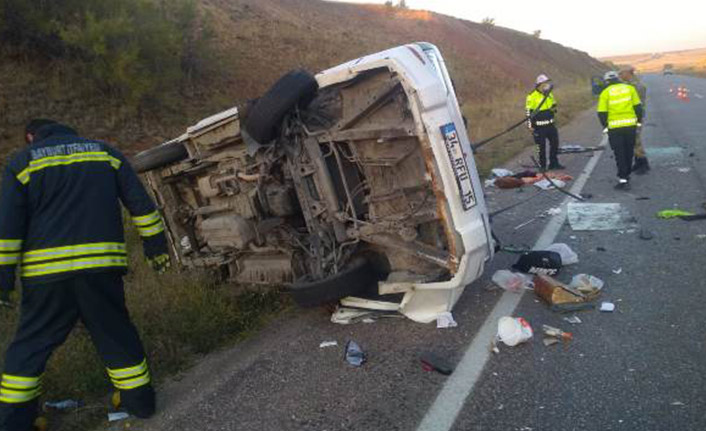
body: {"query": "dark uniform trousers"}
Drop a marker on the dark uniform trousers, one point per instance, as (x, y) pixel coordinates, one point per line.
(622, 141)
(542, 134)
(48, 314)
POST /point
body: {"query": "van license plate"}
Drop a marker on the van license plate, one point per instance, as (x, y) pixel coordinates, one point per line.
(459, 165)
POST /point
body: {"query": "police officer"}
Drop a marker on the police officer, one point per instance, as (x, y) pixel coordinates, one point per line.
(61, 228)
(620, 113)
(627, 75)
(541, 108)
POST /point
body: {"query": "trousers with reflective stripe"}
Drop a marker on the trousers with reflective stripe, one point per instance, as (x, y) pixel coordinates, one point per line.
(48, 315)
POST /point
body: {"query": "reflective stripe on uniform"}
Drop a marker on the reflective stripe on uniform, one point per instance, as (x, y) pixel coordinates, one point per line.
(149, 225)
(73, 251)
(132, 383)
(18, 389)
(147, 232)
(544, 122)
(121, 373)
(147, 220)
(623, 100)
(624, 122)
(131, 377)
(46, 162)
(9, 258)
(10, 245)
(34, 270)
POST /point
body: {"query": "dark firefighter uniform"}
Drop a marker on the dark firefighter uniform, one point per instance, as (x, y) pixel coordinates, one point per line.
(620, 111)
(543, 128)
(61, 229)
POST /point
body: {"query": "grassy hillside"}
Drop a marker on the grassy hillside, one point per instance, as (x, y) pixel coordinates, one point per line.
(256, 41)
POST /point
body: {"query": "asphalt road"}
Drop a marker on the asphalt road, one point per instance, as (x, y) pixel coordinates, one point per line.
(639, 368)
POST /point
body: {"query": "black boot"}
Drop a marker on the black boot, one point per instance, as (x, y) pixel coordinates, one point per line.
(641, 166)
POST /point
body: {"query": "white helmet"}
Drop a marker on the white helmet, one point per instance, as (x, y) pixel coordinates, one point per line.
(611, 75)
(541, 79)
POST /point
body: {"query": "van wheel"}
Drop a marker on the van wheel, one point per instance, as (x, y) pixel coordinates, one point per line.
(265, 117)
(358, 278)
(157, 157)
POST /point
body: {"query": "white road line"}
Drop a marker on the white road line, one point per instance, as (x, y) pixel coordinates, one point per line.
(450, 401)
(698, 95)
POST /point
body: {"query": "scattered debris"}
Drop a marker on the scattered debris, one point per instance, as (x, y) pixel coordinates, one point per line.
(646, 234)
(508, 183)
(325, 344)
(673, 213)
(539, 262)
(677, 403)
(618, 271)
(601, 249)
(551, 332)
(607, 307)
(500, 172)
(554, 211)
(589, 217)
(568, 256)
(573, 148)
(643, 198)
(549, 341)
(62, 405)
(545, 184)
(701, 236)
(574, 320)
(521, 225)
(490, 182)
(433, 362)
(348, 315)
(354, 354)
(555, 292)
(117, 416)
(445, 320)
(684, 170)
(514, 330)
(587, 284)
(512, 281)
(571, 308)
(693, 217)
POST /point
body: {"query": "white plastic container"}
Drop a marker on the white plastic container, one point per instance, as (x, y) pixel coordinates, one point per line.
(514, 330)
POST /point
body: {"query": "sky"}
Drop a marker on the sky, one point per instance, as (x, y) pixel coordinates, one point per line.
(601, 28)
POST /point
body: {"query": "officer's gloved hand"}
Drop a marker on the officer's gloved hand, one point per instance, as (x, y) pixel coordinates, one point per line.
(160, 263)
(5, 300)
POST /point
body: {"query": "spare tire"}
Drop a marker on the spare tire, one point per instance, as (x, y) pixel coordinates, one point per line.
(157, 157)
(265, 117)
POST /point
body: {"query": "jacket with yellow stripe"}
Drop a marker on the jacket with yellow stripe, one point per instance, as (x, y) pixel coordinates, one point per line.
(60, 211)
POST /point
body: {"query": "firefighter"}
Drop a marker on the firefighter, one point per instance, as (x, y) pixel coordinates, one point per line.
(620, 113)
(541, 109)
(61, 228)
(627, 75)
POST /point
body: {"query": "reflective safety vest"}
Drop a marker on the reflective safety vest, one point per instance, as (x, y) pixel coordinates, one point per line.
(60, 210)
(619, 101)
(545, 115)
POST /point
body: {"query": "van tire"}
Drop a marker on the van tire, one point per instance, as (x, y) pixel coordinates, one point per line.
(266, 115)
(358, 278)
(157, 157)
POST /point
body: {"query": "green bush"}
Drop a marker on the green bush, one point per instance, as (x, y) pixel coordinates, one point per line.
(133, 49)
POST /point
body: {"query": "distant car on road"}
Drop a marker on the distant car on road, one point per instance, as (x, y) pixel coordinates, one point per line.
(668, 70)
